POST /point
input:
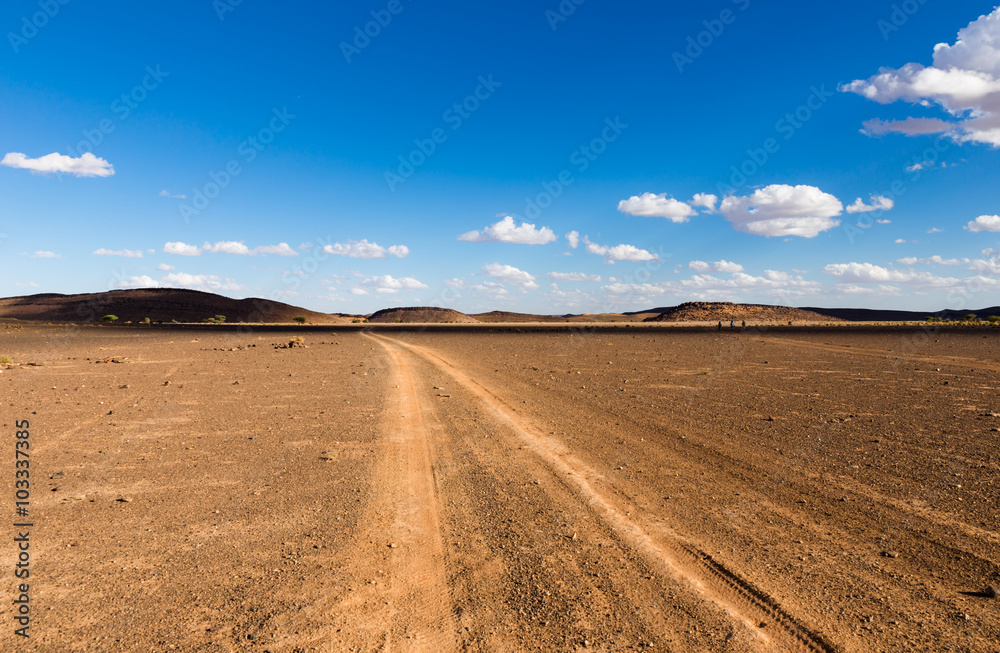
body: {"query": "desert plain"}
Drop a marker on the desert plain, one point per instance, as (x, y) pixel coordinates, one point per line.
(505, 489)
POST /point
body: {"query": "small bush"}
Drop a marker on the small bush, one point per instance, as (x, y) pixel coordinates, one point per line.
(110, 318)
(971, 317)
(145, 320)
(6, 360)
(356, 320)
(300, 319)
(994, 319)
(219, 319)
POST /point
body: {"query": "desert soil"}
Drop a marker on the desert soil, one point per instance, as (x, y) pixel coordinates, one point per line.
(577, 491)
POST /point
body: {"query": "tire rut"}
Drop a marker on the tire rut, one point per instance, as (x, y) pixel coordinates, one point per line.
(664, 549)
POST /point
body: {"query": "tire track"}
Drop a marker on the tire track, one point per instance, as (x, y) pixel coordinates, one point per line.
(663, 548)
(405, 603)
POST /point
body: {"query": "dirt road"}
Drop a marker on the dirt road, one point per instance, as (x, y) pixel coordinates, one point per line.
(509, 492)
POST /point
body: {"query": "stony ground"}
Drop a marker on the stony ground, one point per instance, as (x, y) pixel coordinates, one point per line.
(390, 491)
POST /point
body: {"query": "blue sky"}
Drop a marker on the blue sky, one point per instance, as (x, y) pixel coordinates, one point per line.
(575, 156)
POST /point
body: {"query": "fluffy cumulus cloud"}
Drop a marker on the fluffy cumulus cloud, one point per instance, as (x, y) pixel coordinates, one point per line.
(573, 238)
(723, 266)
(510, 275)
(964, 80)
(879, 203)
(205, 282)
(386, 284)
(871, 273)
(234, 247)
(618, 252)
(163, 267)
(782, 285)
(573, 276)
(181, 249)
(781, 210)
(507, 231)
(365, 249)
(706, 201)
(45, 254)
(126, 253)
(933, 260)
(649, 205)
(86, 165)
(985, 223)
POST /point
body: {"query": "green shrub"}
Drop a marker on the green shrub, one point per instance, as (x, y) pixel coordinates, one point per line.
(219, 319)
(971, 317)
(993, 319)
(110, 318)
(6, 360)
(300, 319)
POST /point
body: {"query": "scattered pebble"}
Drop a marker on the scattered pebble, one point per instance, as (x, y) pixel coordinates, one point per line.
(990, 592)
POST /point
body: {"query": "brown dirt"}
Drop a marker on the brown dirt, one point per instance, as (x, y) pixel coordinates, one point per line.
(164, 304)
(471, 491)
(726, 312)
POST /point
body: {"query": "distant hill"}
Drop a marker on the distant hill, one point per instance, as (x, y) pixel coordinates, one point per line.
(504, 316)
(876, 315)
(420, 315)
(727, 311)
(157, 304)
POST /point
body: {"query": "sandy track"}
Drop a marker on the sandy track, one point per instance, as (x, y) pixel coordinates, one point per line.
(768, 623)
(404, 603)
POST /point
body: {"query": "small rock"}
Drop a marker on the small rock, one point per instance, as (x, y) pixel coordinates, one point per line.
(124, 499)
(60, 488)
(76, 497)
(990, 592)
(890, 554)
(58, 475)
(393, 545)
(166, 383)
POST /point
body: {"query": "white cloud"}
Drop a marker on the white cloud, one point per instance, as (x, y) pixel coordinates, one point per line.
(226, 247)
(900, 241)
(964, 80)
(933, 260)
(142, 281)
(507, 231)
(705, 201)
(281, 249)
(573, 276)
(781, 210)
(181, 249)
(870, 273)
(649, 205)
(510, 274)
(163, 267)
(619, 252)
(704, 286)
(915, 167)
(166, 193)
(87, 165)
(934, 230)
(573, 238)
(984, 223)
(884, 221)
(44, 254)
(388, 285)
(127, 253)
(365, 249)
(883, 290)
(205, 282)
(723, 266)
(879, 203)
